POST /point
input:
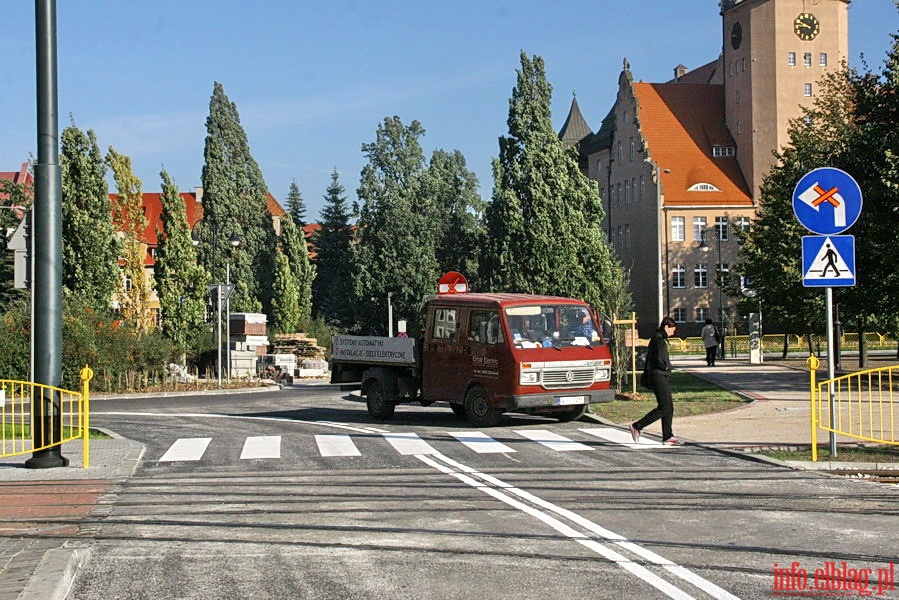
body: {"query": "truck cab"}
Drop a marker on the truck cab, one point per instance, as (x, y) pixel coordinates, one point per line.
(486, 354)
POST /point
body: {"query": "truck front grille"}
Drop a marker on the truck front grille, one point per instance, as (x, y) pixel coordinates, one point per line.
(556, 379)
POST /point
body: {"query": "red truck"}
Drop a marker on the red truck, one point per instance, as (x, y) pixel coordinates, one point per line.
(485, 354)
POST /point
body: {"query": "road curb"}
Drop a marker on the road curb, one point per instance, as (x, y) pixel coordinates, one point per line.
(54, 576)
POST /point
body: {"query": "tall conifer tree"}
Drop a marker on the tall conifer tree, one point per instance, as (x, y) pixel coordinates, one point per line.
(235, 202)
(296, 207)
(91, 251)
(332, 289)
(180, 281)
(543, 222)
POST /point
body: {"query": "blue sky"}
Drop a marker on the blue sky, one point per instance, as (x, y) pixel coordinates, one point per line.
(313, 79)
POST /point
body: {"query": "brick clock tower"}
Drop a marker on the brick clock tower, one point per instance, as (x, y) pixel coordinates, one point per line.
(775, 54)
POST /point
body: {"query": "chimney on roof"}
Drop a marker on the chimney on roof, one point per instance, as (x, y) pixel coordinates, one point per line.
(679, 71)
(198, 192)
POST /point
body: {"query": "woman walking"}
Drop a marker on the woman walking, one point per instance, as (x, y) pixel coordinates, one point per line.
(658, 368)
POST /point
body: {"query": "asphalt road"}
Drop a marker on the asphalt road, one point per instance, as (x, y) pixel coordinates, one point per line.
(299, 494)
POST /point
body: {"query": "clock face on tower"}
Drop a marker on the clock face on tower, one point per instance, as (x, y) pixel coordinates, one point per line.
(736, 35)
(806, 26)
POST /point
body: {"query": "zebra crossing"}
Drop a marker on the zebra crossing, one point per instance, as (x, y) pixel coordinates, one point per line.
(410, 444)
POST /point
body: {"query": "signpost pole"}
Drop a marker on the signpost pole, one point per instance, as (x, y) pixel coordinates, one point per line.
(828, 303)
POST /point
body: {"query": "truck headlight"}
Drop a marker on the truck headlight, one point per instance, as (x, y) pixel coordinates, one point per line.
(529, 378)
(602, 375)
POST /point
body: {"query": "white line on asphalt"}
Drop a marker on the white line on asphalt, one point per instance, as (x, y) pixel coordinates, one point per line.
(480, 442)
(186, 449)
(336, 444)
(467, 475)
(409, 443)
(552, 440)
(261, 446)
(248, 418)
(624, 438)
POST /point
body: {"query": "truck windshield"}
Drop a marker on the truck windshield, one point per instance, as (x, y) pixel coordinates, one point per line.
(551, 325)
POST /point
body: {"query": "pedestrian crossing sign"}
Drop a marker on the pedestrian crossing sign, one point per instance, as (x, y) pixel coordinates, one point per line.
(828, 260)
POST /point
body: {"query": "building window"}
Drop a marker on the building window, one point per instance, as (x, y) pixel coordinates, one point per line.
(699, 227)
(678, 229)
(627, 236)
(618, 236)
(791, 59)
(633, 189)
(737, 96)
(742, 223)
(701, 276)
(807, 59)
(627, 189)
(702, 187)
(632, 149)
(721, 228)
(679, 276)
(739, 127)
(743, 64)
(702, 314)
(618, 195)
(642, 189)
(620, 155)
(723, 151)
(679, 315)
(808, 90)
(822, 59)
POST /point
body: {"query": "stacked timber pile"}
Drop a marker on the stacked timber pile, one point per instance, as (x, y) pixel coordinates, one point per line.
(310, 356)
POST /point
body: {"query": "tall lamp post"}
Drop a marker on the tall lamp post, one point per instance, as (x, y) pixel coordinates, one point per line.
(234, 242)
(718, 276)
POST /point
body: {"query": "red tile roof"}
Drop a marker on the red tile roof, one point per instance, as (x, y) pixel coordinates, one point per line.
(680, 123)
(22, 176)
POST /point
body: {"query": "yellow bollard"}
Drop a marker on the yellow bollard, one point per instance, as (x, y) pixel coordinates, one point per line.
(86, 375)
(812, 363)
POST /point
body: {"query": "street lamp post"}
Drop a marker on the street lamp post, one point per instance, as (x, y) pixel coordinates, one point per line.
(718, 277)
(234, 242)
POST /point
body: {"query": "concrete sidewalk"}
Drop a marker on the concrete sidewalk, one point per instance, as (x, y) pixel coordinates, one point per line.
(41, 511)
(779, 413)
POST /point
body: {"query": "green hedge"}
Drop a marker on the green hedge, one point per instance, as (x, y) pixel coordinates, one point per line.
(119, 355)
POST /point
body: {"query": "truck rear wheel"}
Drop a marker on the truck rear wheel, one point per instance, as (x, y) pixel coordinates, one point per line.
(478, 410)
(376, 400)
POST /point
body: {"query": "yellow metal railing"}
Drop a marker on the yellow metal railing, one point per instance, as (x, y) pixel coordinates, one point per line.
(20, 427)
(865, 405)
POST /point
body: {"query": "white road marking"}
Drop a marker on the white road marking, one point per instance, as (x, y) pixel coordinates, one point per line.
(552, 440)
(501, 491)
(336, 444)
(261, 446)
(624, 438)
(409, 443)
(480, 442)
(186, 449)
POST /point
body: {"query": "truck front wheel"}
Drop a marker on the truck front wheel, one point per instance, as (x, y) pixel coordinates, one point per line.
(376, 400)
(478, 410)
(572, 414)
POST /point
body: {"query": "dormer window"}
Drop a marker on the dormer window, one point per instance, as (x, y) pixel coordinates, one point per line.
(722, 151)
(703, 187)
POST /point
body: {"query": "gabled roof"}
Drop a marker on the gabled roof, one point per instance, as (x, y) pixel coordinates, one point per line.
(681, 123)
(575, 128)
(22, 176)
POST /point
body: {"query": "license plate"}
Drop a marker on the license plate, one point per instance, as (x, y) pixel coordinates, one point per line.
(565, 400)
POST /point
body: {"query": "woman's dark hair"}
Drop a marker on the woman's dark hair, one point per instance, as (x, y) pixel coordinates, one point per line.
(667, 322)
(708, 321)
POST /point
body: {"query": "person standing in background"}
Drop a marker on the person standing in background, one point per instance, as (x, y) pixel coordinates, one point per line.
(710, 341)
